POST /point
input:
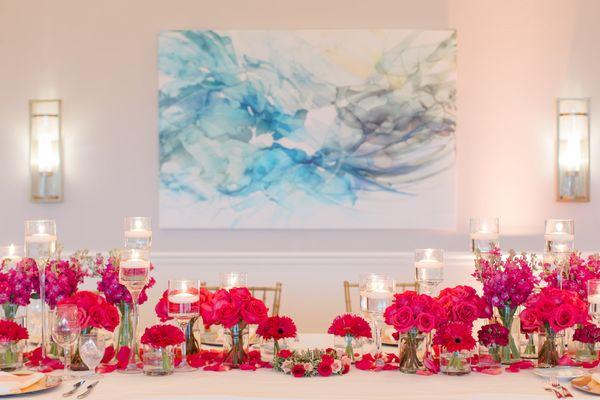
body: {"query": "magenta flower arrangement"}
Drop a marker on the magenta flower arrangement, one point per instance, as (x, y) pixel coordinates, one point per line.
(507, 283)
(114, 292)
(575, 276)
(63, 278)
(17, 285)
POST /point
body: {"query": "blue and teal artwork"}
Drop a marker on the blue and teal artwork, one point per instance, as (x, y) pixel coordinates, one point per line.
(339, 129)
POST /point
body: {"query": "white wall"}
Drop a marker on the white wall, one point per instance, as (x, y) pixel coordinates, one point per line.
(515, 57)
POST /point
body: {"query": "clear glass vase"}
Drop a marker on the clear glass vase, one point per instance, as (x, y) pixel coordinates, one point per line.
(585, 352)
(490, 356)
(11, 355)
(10, 311)
(158, 361)
(349, 345)
(509, 353)
(235, 345)
(550, 349)
(455, 363)
(529, 345)
(411, 349)
(125, 329)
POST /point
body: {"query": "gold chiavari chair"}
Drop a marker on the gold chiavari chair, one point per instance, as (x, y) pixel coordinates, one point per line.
(400, 287)
(260, 292)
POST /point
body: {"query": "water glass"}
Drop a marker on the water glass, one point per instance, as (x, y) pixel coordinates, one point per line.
(91, 351)
(65, 328)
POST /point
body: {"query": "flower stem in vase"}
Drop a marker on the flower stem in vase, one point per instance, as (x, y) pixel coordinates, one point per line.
(10, 311)
(235, 349)
(510, 353)
(349, 348)
(377, 338)
(276, 347)
(191, 345)
(132, 367)
(125, 332)
(548, 355)
(409, 348)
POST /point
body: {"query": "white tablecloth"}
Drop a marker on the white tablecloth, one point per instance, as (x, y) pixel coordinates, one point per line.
(268, 384)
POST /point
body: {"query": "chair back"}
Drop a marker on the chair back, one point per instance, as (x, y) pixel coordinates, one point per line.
(400, 287)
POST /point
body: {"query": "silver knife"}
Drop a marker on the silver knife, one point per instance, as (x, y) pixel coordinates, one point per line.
(75, 387)
(88, 390)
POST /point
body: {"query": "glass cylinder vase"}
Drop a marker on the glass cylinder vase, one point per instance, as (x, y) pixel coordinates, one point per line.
(158, 361)
(125, 329)
(490, 356)
(509, 353)
(455, 363)
(411, 348)
(11, 355)
(551, 345)
(235, 345)
(585, 352)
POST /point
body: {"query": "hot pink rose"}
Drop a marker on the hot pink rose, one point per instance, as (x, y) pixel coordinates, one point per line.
(240, 295)
(563, 317)
(530, 320)
(227, 314)
(402, 319)
(545, 307)
(254, 311)
(465, 312)
(425, 322)
(97, 316)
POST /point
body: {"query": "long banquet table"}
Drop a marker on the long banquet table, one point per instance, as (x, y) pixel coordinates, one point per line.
(357, 384)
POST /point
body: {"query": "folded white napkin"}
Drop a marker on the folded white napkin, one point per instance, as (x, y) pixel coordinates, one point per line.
(10, 383)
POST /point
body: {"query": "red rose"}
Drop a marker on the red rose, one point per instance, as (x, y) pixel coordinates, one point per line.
(563, 317)
(285, 354)
(545, 307)
(327, 359)
(402, 319)
(425, 322)
(97, 316)
(465, 312)
(254, 311)
(227, 314)
(324, 369)
(112, 317)
(530, 320)
(298, 370)
(240, 295)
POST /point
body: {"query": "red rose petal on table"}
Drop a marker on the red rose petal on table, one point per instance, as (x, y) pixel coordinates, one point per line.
(424, 372)
(491, 371)
(106, 368)
(390, 367)
(365, 364)
(512, 369)
(109, 354)
(592, 364)
(247, 367)
(123, 357)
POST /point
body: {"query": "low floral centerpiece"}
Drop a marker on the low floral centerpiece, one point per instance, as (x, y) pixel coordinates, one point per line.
(277, 328)
(235, 309)
(352, 328)
(309, 363)
(158, 352)
(507, 283)
(492, 338)
(553, 310)
(413, 316)
(456, 342)
(11, 345)
(95, 313)
(587, 336)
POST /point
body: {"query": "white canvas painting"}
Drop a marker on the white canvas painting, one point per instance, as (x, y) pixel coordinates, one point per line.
(326, 129)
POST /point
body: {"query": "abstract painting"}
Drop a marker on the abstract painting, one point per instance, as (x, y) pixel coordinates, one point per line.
(333, 129)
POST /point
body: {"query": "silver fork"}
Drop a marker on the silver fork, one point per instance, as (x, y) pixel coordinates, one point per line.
(550, 387)
(556, 384)
(75, 387)
(88, 390)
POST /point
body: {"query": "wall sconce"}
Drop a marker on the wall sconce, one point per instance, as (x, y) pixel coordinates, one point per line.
(573, 150)
(45, 150)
